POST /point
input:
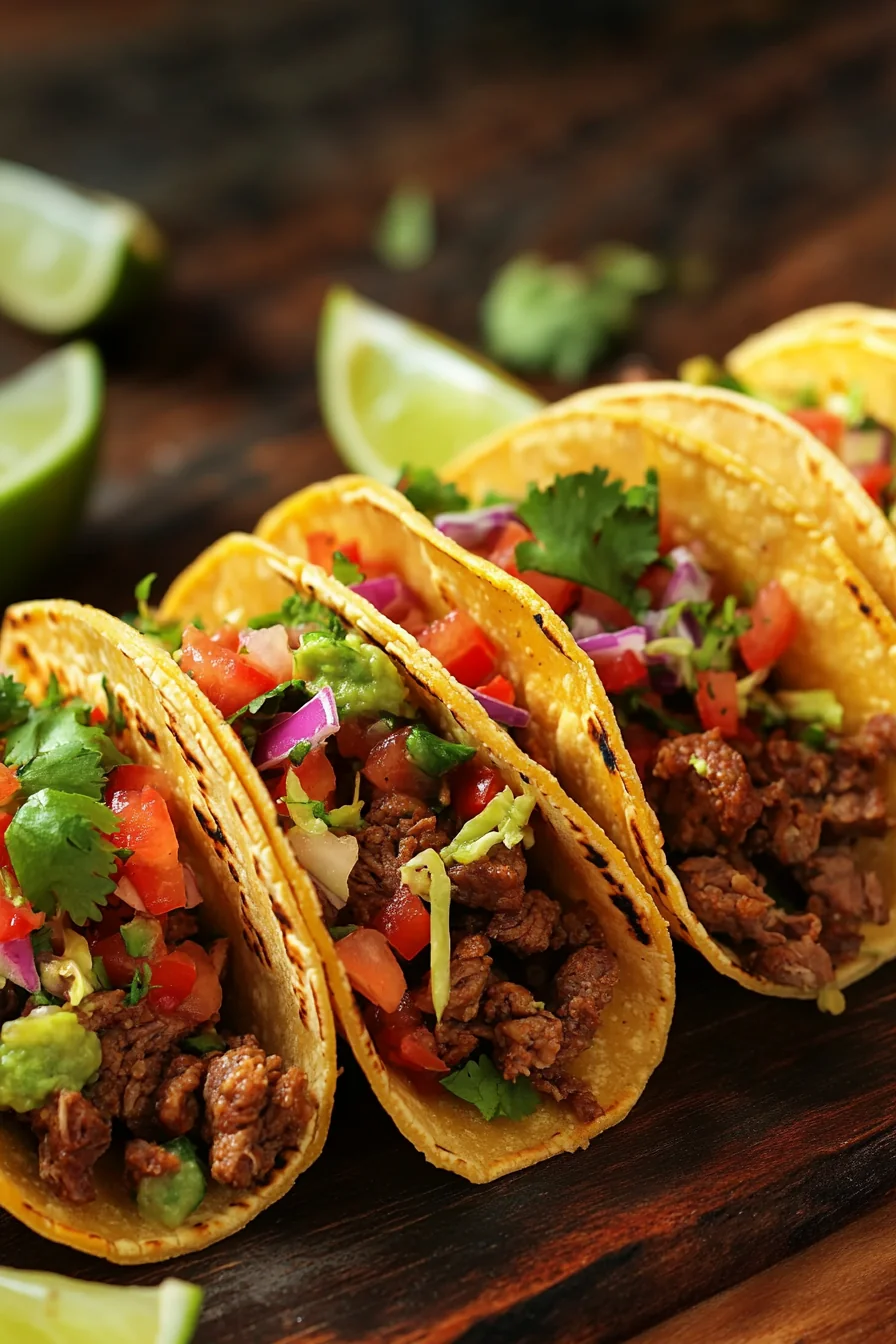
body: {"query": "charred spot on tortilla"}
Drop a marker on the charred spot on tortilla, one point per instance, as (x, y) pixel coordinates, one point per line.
(863, 605)
(539, 620)
(598, 732)
(524, 778)
(656, 876)
(24, 653)
(143, 728)
(625, 906)
(594, 856)
(209, 825)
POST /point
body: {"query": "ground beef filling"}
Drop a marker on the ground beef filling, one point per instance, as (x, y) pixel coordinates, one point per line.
(528, 979)
(241, 1102)
(777, 814)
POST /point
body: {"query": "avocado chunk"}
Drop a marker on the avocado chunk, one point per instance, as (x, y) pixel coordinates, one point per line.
(172, 1197)
(43, 1053)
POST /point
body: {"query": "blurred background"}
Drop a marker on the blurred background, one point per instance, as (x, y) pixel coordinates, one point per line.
(749, 145)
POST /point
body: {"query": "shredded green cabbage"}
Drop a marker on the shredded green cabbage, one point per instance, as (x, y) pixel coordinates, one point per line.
(70, 976)
(813, 707)
(505, 818)
(426, 877)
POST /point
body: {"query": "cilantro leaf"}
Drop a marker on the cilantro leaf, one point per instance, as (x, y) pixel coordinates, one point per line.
(480, 1083)
(98, 966)
(141, 984)
(422, 488)
(273, 701)
(345, 570)
(167, 633)
(68, 767)
(205, 1043)
(52, 726)
(338, 931)
(721, 628)
(592, 531)
(298, 610)
(115, 719)
(405, 235)
(14, 705)
(433, 754)
(57, 845)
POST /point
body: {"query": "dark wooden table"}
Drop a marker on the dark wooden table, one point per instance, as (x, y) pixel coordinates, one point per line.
(265, 138)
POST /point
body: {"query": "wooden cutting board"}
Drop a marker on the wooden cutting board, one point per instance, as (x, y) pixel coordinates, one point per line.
(766, 1127)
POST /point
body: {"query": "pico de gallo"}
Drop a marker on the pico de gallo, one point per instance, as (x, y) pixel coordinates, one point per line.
(110, 1001)
(838, 420)
(467, 974)
(761, 796)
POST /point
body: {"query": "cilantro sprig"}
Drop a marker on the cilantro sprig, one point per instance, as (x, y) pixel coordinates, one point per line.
(428, 494)
(593, 531)
(297, 610)
(345, 570)
(14, 705)
(167, 633)
(59, 851)
(480, 1083)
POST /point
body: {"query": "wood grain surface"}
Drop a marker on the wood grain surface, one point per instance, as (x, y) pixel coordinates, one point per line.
(265, 139)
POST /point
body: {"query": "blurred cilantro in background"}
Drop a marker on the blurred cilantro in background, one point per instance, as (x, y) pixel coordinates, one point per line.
(558, 318)
(406, 234)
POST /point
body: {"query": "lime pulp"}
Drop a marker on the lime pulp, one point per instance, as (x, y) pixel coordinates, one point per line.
(38, 1308)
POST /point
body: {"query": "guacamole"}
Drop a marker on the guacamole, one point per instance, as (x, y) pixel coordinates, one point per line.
(362, 678)
(43, 1053)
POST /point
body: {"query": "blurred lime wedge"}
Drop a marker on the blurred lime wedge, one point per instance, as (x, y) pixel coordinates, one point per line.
(394, 393)
(38, 1308)
(68, 257)
(49, 423)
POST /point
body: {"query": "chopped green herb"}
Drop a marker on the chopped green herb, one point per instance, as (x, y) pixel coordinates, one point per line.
(342, 931)
(14, 705)
(428, 494)
(115, 719)
(59, 853)
(593, 531)
(100, 973)
(42, 940)
(433, 754)
(721, 628)
(299, 752)
(345, 570)
(815, 735)
(144, 619)
(44, 1000)
(633, 705)
(140, 985)
(699, 765)
(405, 235)
(300, 611)
(480, 1083)
(205, 1043)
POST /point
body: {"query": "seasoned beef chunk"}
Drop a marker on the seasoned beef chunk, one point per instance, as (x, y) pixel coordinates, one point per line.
(780, 760)
(857, 812)
(530, 929)
(789, 827)
(563, 1086)
(843, 897)
(142, 1159)
(137, 1046)
(470, 966)
(177, 1105)
(455, 1041)
(495, 882)
(73, 1136)
(398, 827)
(526, 1037)
(801, 962)
(727, 899)
(703, 811)
(253, 1112)
(180, 926)
(583, 986)
(578, 927)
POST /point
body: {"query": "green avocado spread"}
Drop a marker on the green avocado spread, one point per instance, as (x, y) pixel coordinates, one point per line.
(43, 1053)
(362, 678)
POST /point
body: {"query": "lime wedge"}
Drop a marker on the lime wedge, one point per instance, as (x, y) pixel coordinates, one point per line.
(68, 258)
(37, 1308)
(394, 393)
(49, 423)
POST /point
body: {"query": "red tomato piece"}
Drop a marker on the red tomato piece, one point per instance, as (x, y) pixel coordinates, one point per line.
(229, 680)
(402, 1039)
(404, 921)
(9, 785)
(825, 425)
(874, 478)
(390, 767)
(716, 701)
(473, 786)
(160, 886)
(322, 545)
(641, 744)
(145, 826)
(775, 623)
(97, 716)
(173, 977)
(133, 778)
(619, 671)
(560, 594)
(666, 531)
(358, 736)
(370, 965)
(204, 999)
(17, 921)
(316, 775)
(499, 688)
(119, 964)
(228, 636)
(655, 580)
(461, 647)
(611, 614)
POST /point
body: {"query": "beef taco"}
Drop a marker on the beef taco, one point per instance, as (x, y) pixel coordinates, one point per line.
(167, 1053)
(503, 979)
(690, 591)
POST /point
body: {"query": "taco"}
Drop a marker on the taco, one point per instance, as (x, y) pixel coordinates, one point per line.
(167, 1054)
(715, 617)
(503, 979)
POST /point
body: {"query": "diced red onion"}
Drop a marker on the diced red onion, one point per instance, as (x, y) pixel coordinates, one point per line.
(475, 527)
(313, 723)
(269, 649)
(382, 592)
(514, 716)
(17, 964)
(191, 887)
(866, 447)
(630, 640)
(689, 581)
(328, 858)
(582, 625)
(127, 892)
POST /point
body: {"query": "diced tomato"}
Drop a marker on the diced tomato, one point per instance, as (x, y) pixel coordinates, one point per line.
(825, 425)
(97, 716)
(145, 826)
(370, 965)
(461, 647)
(874, 477)
(204, 999)
(716, 701)
(321, 546)
(133, 778)
(655, 580)
(17, 921)
(390, 767)
(160, 886)
(619, 671)
(641, 744)
(173, 977)
(404, 920)
(358, 736)
(229, 680)
(560, 594)
(775, 622)
(473, 786)
(402, 1039)
(611, 614)
(117, 961)
(316, 775)
(5, 822)
(666, 531)
(499, 688)
(8, 783)
(228, 636)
